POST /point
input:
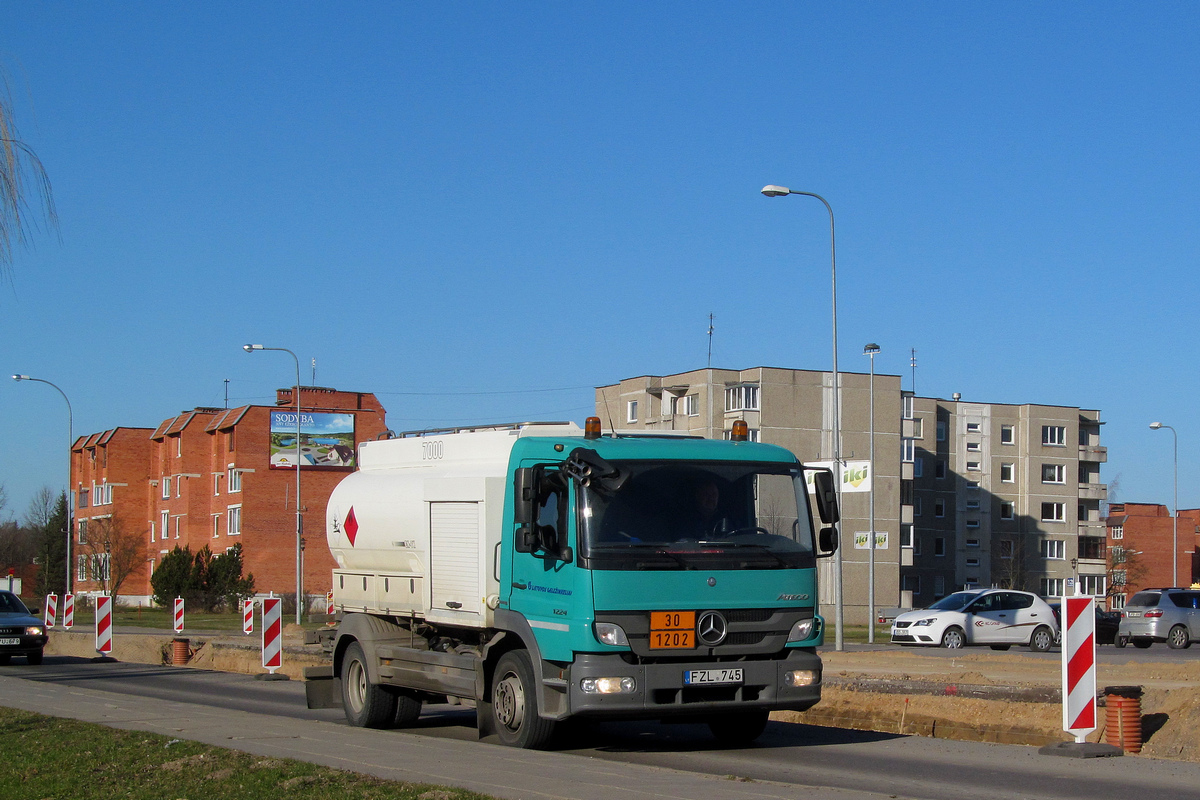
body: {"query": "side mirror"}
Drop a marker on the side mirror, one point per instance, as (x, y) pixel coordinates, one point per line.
(827, 541)
(827, 504)
(524, 502)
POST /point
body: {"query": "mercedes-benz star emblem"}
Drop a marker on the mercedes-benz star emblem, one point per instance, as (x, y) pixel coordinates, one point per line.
(711, 628)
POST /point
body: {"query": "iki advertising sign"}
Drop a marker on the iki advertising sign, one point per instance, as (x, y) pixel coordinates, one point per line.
(326, 440)
(855, 475)
(862, 539)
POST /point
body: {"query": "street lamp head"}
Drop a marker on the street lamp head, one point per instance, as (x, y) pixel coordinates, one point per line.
(776, 191)
(20, 377)
(1153, 425)
(871, 349)
(250, 348)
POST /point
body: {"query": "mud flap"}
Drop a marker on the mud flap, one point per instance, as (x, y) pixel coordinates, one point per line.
(321, 688)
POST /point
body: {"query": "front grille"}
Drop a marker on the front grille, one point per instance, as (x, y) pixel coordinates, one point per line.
(902, 624)
(12, 631)
(749, 637)
(748, 614)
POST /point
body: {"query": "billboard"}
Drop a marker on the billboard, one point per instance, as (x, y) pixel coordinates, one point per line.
(326, 440)
(855, 475)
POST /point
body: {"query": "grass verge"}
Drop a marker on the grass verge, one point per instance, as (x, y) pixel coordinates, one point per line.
(63, 759)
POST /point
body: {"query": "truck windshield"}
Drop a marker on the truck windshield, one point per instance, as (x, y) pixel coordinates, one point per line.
(712, 516)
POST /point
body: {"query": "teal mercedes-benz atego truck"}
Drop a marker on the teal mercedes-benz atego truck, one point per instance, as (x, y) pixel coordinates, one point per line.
(540, 573)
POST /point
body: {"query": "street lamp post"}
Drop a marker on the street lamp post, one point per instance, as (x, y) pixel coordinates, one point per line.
(870, 350)
(1175, 516)
(70, 442)
(782, 191)
(250, 348)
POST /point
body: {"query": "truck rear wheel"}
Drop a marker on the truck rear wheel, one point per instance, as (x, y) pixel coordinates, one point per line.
(368, 705)
(737, 728)
(408, 709)
(514, 704)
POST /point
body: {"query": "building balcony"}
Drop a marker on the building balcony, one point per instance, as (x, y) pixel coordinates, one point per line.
(1092, 528)
(1093, 491)
(906, 470)
(1093, 453)
(906, 515)
(908, 428)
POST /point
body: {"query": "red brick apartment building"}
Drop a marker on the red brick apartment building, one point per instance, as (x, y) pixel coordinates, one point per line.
(1140, 540)
(214, 476)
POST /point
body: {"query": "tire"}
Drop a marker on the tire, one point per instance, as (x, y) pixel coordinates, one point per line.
(367, 705)
(1178, 639)
(514, 704)
(36, 658)
(1001, 646)
(1142, 643)
(1042, 640)
(954, 638)
(738, 728)
(408, 710)
(1120, 641)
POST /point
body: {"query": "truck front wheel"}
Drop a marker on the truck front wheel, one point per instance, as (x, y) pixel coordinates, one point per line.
(738, 728)
(514, 704)
(368, 705)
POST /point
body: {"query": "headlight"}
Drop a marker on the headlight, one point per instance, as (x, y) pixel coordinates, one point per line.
(802, 677)
(924, 623)
(608, 633)
(35, 630)
(801, 630)
(607, 685)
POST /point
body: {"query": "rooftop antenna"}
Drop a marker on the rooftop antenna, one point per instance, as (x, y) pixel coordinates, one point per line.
(913, 363)
(227, 392)
(710, 333)
(314, 366)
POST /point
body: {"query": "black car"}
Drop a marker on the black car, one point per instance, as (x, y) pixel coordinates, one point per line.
(1106, 623)
(21, 633)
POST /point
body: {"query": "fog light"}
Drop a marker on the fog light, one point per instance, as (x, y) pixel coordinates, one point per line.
(608, 633)
(607, 685)
(802, 677)
(34, 630)
(801, 630)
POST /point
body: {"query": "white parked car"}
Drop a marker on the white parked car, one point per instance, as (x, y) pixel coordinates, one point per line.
(996, 617)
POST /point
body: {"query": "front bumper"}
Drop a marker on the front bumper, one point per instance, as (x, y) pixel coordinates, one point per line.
(26, 644)
(660, 690)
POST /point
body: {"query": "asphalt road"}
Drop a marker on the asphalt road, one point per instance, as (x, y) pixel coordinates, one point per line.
(627, 760)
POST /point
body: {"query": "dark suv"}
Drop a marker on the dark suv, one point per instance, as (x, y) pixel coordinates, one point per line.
(1161, 615)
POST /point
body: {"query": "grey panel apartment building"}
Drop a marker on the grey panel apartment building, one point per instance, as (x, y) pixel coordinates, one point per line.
(966, 494)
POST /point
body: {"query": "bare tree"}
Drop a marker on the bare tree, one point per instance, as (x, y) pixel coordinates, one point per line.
(24, 186)
(114, 551)
(41, 508)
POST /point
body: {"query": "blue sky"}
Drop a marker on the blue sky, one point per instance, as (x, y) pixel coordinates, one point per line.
(480, 211)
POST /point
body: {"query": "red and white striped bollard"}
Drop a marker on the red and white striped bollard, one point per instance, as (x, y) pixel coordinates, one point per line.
(103, 624)
(272, 634)
(51, 611)
(179, 615)
(1079, 666)
(247, 617)
(68, 611)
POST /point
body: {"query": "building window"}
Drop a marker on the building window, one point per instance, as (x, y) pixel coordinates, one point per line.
(1118, 577)
(1117, 531)
(972, 466)
(99, 566)
(234, 482)
(216, 519)
(1117, 601)
(939, 469)
(972, 427)
(1054, 549)
(81, 568)
(166, 488)
(1054, 473)
(631, 411)
(1093, 585)
(1054, 435)
(1006, 548)
(939, 508)
(941, 430)
(216, 484)
(688, 405)
(152, 532)
(83, 525)
(1008, 473)
(916, 504)
(939, 546)
(742, 398)
(972, 562)
(752, 435)
(1007, 434)
(1118, 554)
(973, 503)
(919, 468)
(918, 429)
(1052, 587)
(974, 447)
(939, 586)
(83, 498)
(1054, 512)
(906, 536)
(233, 525)
(229, 441)
(165, 518)
(908, 450)
(179, 446)
(912, 583)
(1091, 547)
(906, 406)
(178, 525)
(1007, 510)
(972, 543)
(972, 523)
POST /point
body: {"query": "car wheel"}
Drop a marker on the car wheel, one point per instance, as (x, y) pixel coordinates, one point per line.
(514, 704)
(36, 657)
(954, 638)
(367, 705)
(736, 729)
(1042, 640)
(1142, 643)
(1120, 641)
(1001, 646)
(1178, 639)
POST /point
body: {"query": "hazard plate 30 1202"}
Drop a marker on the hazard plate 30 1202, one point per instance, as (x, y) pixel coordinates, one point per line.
(694, 677)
